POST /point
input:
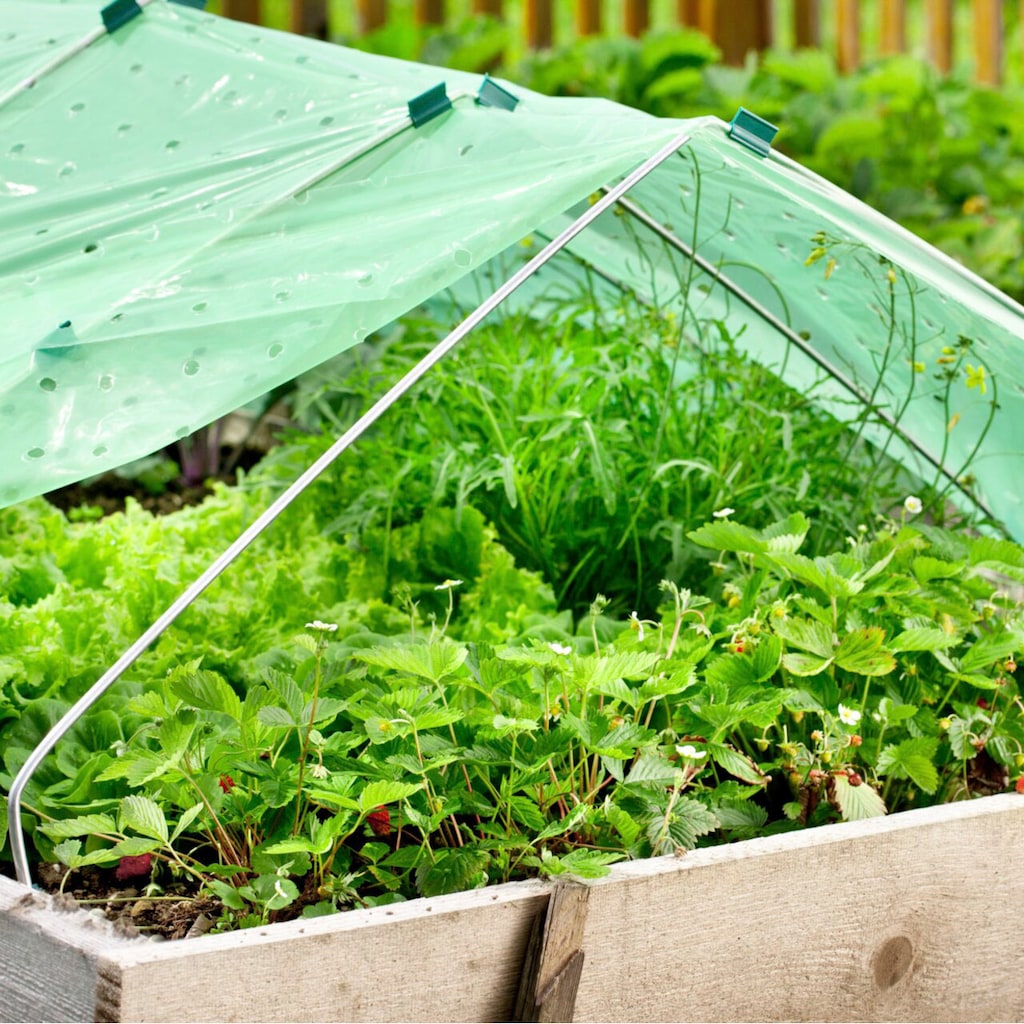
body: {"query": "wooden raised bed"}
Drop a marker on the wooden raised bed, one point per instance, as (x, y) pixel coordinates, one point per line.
(916, 917)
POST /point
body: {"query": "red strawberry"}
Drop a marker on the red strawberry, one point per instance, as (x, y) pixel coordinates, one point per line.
(226, 783)
(380, 821)
(133, 867)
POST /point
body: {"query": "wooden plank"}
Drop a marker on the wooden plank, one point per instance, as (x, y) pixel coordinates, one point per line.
(242, 10)
(537, 18)
(588, 17)
(50, 958)
(939, 20)
(848, 35)
(430, 12)
(553, 963)
(636, 18)
(454, 958)
(807, 23)
(987, 24)
(308, 18)
(736, 36)
(688, 12)
(371, 15)
(909, 918)
(893, 27)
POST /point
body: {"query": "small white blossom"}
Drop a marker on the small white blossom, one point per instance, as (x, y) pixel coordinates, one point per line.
(322, 627)
(449, 585)
(318, 771)
(913, 505)
(848, 716)
(561, 649)
(690, 752)
(723, 513)
(635, 623)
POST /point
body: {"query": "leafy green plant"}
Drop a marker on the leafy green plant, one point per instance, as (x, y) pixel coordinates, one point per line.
(361, 768)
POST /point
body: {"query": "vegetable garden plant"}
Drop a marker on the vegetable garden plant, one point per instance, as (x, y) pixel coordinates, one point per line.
(448, 668)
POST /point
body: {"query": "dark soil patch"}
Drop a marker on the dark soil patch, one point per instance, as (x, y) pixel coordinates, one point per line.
(176, 911)
(109, 492)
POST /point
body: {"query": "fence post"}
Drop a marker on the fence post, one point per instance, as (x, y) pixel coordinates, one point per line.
(588, 17)
(308, 18)
(940, 34)
(987, 19)
(636, 17)
(429, 12)
(893, 28)
(737, 36)
(490, 7)
(807, 23)
(848, 34)
(538, 22)
(242, 10)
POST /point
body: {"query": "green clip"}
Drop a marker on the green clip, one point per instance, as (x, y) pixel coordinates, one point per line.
(428, 105)
(752, 131)
(199, 5)
(115, 14)
(59, 342)
(491, 94)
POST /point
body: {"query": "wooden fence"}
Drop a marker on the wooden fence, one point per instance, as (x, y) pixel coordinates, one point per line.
(736, 26)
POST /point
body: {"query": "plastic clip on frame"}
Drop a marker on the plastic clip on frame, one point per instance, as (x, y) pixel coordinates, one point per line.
(397, 391)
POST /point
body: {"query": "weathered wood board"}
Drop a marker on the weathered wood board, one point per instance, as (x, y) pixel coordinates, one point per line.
(910, 918)
(917, 917)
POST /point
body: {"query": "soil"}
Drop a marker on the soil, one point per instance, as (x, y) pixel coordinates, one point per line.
(175, 912)
(109, 492)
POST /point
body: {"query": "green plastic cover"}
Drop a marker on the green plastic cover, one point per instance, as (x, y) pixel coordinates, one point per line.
(194, 211)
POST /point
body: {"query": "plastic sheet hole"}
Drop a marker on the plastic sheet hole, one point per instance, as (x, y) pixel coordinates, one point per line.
(465, 149)
(463, 257)
(106, 382)
(18, 147)
(130, 401)
(172, 144)
(275, 350)
(365, 278)
(786, 215)
(782, 247)
(282, 296)
(183, 80)
(135, 69)
(199, 307)
(280, 115)
(35, 453)
(42, 231)
(738, 203)
(123, 129)
(48, 384)
(67, 170)
(182, 432)
(100, 449)
(326, 122)
(302, 59)
(116, 317)
(230, 96)
(91, 247)
(822, 294)
(159, 193)
(191, 368)
(77, 108)
(731, 235)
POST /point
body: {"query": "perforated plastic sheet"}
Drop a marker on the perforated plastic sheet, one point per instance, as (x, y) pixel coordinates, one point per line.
(213, 208)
